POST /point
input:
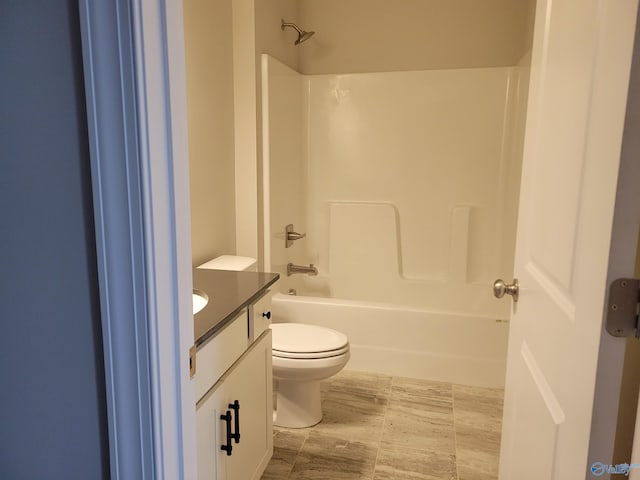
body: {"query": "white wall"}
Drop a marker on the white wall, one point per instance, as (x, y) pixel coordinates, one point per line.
(407, 175)
(209, 70)
(383, 35)
(223, 40)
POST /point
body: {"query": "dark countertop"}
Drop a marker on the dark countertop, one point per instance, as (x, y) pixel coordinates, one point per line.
(229, 292)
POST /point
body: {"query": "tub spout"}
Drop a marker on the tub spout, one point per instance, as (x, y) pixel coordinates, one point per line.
(310, 270)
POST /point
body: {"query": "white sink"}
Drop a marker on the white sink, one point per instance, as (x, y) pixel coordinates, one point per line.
(200, 300)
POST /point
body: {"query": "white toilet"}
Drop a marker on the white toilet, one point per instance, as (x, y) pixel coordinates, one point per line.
(302, 356)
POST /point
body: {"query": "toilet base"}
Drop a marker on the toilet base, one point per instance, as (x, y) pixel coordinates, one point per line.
(298, 404)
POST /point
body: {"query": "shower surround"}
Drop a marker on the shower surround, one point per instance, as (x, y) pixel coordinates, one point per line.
(406, 185)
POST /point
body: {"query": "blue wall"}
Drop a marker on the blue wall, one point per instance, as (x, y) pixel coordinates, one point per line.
(52, 394)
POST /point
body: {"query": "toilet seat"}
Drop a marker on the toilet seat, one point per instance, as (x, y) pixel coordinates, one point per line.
(301, 341)
(310, 355)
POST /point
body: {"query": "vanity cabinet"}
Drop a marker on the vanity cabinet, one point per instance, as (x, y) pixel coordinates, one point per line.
(234, 388)
(249, 384)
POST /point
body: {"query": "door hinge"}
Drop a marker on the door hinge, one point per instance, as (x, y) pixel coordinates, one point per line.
(622, 308)
(192, 361)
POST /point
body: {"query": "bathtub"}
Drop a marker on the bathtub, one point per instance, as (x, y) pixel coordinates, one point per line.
(407, 341)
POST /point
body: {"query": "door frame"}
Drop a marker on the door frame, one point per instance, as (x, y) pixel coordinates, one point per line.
(133, 59)
(622, 262)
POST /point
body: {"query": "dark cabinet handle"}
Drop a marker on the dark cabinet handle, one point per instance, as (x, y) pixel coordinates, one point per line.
(236, 407)
(268, 315)
(228, 447)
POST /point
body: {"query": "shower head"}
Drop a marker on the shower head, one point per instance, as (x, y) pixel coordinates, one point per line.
(302, 35)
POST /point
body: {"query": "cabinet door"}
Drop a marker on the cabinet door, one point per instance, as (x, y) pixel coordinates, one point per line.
(211, 431)
(251, 384)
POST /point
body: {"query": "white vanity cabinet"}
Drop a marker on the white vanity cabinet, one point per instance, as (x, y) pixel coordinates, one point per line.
(234, 389)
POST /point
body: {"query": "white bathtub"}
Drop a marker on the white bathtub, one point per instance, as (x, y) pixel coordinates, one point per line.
(406, 341)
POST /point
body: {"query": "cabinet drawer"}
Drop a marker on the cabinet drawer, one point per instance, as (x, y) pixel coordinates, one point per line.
(218, 354)
(260, 315)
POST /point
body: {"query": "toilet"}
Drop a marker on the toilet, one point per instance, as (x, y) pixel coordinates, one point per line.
(302, 355)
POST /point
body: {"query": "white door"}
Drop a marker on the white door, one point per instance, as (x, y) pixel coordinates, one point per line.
(579, 77)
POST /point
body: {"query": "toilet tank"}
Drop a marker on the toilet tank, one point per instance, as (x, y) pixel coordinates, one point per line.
(231, 262)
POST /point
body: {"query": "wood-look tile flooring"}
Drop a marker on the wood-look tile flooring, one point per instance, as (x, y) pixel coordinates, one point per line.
(377, 427)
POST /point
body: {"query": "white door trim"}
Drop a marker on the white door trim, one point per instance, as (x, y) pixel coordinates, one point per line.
(162, 116)
(622, 255)
(134, 76)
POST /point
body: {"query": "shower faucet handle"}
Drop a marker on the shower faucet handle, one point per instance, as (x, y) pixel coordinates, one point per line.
(291, 236)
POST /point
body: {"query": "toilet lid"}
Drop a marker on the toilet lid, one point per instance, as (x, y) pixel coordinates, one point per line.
(297, 338)
(312, 355)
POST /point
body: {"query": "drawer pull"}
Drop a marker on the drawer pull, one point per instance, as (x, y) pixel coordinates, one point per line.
(236, 407)
(227, 419)
(268, 315)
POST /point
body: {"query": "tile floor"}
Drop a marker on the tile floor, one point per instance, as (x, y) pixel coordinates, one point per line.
(377, 427)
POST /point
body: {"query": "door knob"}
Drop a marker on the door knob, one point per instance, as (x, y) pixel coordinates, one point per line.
(500, 288)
